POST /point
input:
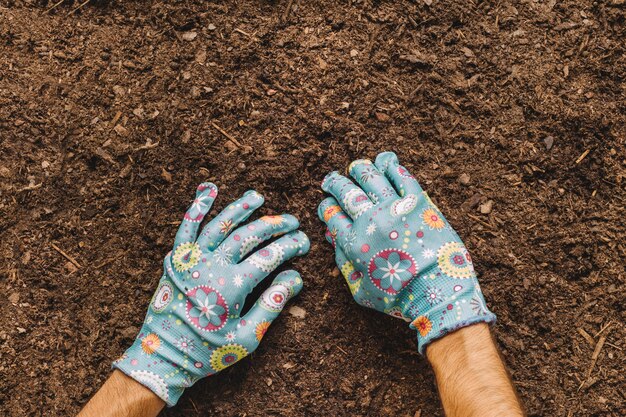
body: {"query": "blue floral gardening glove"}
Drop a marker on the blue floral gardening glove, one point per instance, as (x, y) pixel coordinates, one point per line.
(193, 327)
(397, 252)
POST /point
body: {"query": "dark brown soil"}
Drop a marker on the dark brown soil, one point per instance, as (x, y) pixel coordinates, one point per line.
(107, 123)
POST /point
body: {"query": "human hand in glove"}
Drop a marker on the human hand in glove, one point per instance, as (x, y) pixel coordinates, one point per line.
(194, 326)
(397, 252)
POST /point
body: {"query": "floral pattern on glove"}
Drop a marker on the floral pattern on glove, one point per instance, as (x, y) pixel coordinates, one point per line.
(397, 252)
(194, 326)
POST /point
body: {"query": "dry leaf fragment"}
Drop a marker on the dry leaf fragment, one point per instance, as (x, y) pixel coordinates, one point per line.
(121, 130)
(166, 175)
(297, 312)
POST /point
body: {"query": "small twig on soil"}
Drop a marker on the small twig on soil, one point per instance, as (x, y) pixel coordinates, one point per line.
(194, 405)
(55, 5)
(613, 346)
(115, 119)
(30, 187)
(242, 32)
(105, 155)
(587, 336)
(148, 145)
(583, 156)
(80, 6)
(163, 31)
(285, 15)
(110, 260)
(609, 182)
(596, 353)
(65, 255)
(413, 93)
(606, 326)
(594, 359)
(479, 220)
(372, 40)
(346, 353)
(228, 135)
(286, 89)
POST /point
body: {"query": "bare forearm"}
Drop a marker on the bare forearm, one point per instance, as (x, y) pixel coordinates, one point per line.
(121, 396)
(471, 377)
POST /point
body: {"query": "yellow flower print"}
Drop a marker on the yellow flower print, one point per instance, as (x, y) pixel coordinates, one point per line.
(432, 219)
(150, 344)
(423, 325)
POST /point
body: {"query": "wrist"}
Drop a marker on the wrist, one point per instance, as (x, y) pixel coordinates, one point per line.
(156, 363)
(442, 312)
(459, 343)
(123, 396)
(471, 377)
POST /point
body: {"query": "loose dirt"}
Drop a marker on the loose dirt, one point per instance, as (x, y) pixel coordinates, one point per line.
(511, 114)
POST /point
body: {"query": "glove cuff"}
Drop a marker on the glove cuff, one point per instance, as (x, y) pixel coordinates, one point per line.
(461, 310)
(152, 381)
(158, 364)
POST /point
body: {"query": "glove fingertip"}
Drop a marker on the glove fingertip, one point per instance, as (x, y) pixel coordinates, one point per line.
(323, 206)
(384, 158)
(356, 163)
(292, 280)
(256, 194)
(306, 243)
(203, 186)
(297, 242)
(327, 179)
(207, 189)
(292, 220)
